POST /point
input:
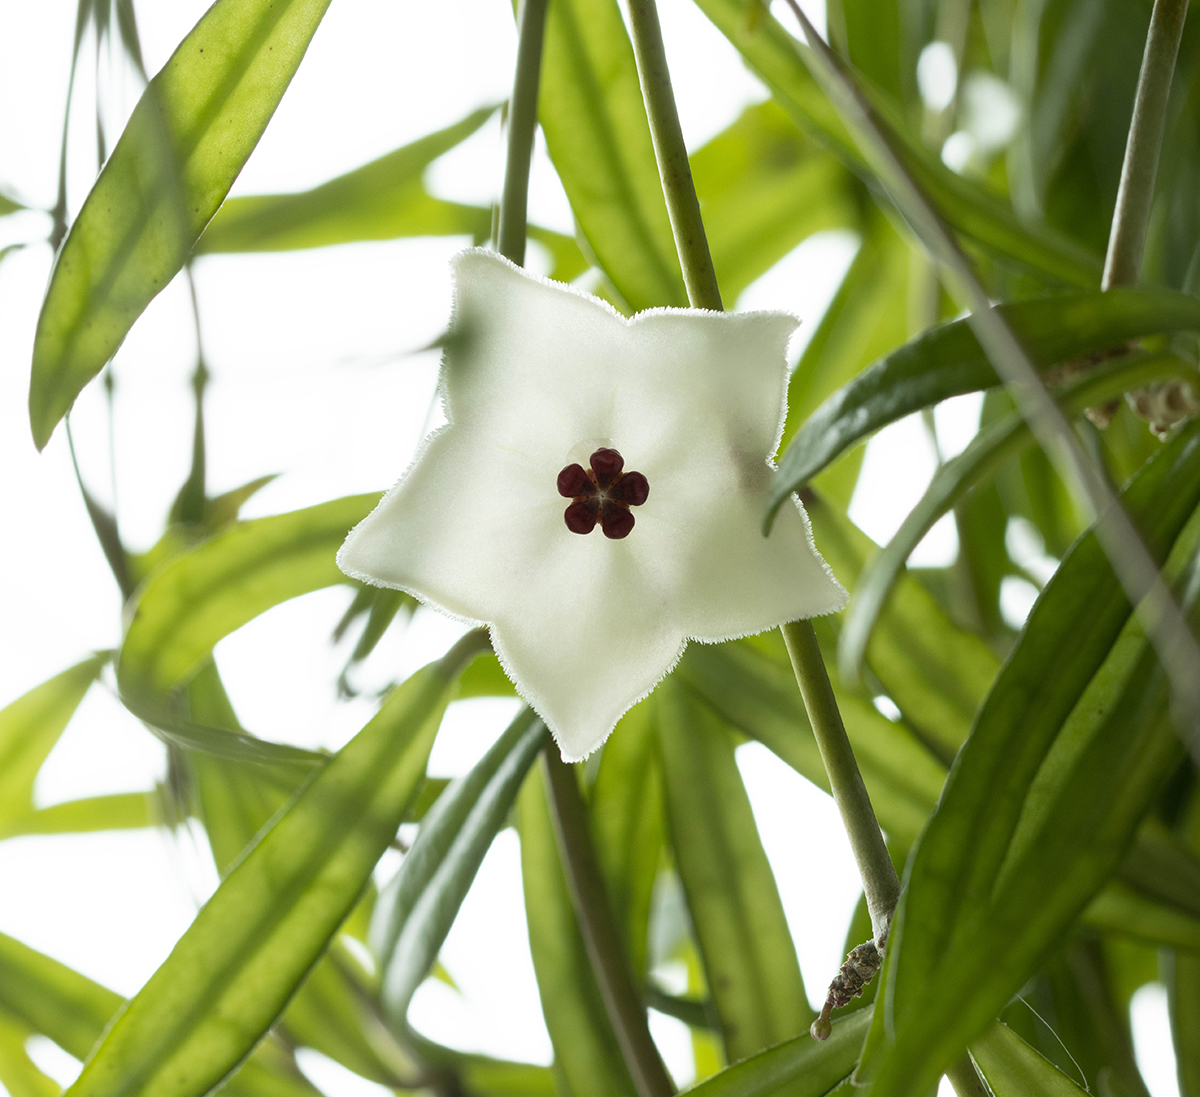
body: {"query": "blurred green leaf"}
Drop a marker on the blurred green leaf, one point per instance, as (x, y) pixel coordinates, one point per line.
(776, 57)
(486, 678)
(750, 683)
(585, 1047)
(628, 830)
(1013, 1069)
(1120, 908)
(987, 450)
(416, 909)
(19, 1076)
(1184, 986)
(234, 970)
(763, 188)
(116, 811)
(9, 205)
(936, 672)
(591, 111)
(749, 959)
(1072, 743)
(381, 200)
(802, 1067)
(203, 595)
(191, 132)
(948, 361)
(29, 728)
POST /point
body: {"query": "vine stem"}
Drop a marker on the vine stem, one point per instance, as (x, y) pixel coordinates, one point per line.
(606, 952)
(880, 883)
(522, 122)
(622, 1001)
(1135, 195)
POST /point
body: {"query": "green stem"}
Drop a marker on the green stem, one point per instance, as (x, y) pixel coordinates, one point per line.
(879, 877)
(522, 121)
(671, 153)
(881, 886)
(964, 1078)
(1127, 237)
(622, 1001)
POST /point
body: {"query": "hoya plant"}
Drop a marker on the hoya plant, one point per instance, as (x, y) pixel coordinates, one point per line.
(637, 509)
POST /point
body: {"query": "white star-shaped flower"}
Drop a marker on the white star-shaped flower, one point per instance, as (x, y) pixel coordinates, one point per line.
(658, 431)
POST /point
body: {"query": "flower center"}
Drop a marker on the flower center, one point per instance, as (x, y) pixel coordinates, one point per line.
(603, 493)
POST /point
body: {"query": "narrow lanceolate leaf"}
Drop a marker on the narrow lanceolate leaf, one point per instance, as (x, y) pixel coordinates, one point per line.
(948, 361)
(585, 1047)
(116, 811)
(993, 445)
(802, 1067)
(47, 997)
(378, 201)
(191, 132)
(414, 913)
(207, 593)
(19, 1075)
(751, 685)
(1069, 750)
(29, 728)
(626, 811)
(936, 671)
(1012, 1068)
(591, 111)
(749, 959)
(233, 971)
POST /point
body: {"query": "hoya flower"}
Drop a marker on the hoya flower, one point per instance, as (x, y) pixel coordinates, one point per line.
(596, 496)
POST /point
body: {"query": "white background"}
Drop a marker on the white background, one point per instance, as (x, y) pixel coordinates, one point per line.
(315, 376)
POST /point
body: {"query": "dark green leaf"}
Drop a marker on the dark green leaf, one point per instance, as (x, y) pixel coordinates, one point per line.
(988, 450)
(590, 107)
(1071, 746)
(1013, 1069)
(948, 361)
(196, 124)
(238, 964)
(749, 959)
(1185, 1019)
(799, 1068)
(416, 909)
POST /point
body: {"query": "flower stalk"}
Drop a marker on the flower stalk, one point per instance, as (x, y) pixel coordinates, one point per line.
(880, 883)
(1135, 195)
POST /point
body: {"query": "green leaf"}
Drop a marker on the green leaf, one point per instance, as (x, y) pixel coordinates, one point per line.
(234, 970)
(585, 1047)
(750, 683)
(381, 200)
(763, 188)
(992, 446)
(1120, 908)
(1184, 986)
(116, 811)
(1013, 1069)
(29, 728)
(9, 205)
(416, 909)
(749, 958)
(19, 1076)
(776, 57)
(203, 595)
(1071, 746)
(73, 1011)
(628, 829)
(193, 129)
(948, 361)
(591, 111)
(802, 1067)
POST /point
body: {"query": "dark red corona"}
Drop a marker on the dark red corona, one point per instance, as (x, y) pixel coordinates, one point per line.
(602, 494)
